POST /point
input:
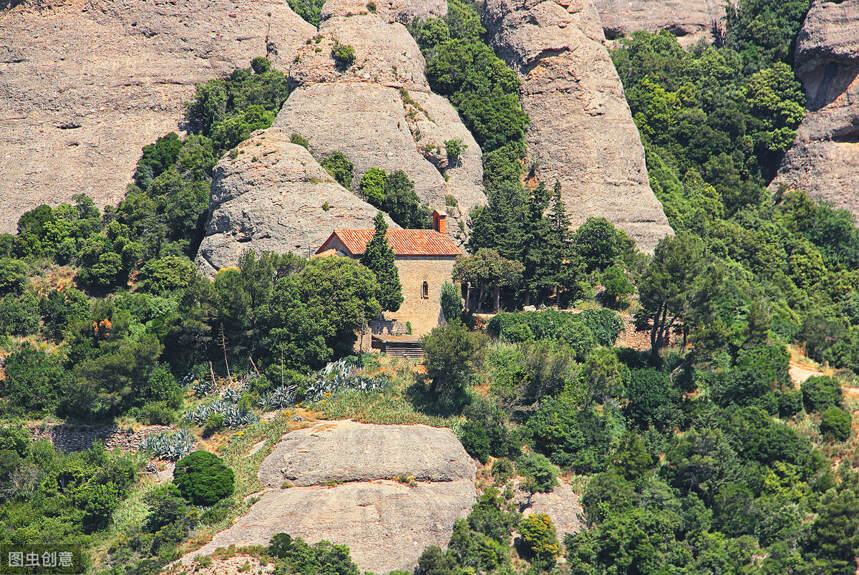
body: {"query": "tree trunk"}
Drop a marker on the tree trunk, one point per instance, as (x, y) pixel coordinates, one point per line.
(467, 296)
(496, 294)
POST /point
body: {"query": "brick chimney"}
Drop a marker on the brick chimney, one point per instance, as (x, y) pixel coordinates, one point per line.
(439, 222)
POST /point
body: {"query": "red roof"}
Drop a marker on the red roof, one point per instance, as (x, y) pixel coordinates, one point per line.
(403, 242)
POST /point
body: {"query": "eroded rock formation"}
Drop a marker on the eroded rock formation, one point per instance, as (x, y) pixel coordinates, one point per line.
(689, 20)
(581, 132)
(824, 160)
(380, 111)
(272, 195)
(85, 84)
(344, 493)
(403, 11)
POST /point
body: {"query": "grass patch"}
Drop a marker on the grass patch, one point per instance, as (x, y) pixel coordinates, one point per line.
(386, 407)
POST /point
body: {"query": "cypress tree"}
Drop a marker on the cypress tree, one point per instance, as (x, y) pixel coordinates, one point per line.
(379, 258)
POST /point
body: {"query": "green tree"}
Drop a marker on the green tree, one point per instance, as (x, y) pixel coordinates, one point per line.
(451, 353)
(379, 259)
(820, 392)
(600, 244)
(539, 540)
(835, 424)
(402, 203)
(373, 186)
(451, 301)
(486, 270)
(666, 285)
(203, 478)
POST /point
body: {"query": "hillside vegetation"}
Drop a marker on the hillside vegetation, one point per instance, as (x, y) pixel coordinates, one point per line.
(697, 455)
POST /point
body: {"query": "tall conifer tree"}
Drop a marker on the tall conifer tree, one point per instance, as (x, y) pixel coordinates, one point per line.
(379, 258)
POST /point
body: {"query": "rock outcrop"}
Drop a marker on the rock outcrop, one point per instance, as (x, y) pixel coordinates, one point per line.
(824, 159)
(271, 195)
(689, 20)
(85, 84)
(581, 132)
(380, 111)
(562, 505)
(403, 11)
(343, 492)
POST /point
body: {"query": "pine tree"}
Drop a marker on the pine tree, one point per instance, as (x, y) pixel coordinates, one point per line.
(379, 258)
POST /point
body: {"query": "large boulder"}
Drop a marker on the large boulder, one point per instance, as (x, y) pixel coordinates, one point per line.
(271, 195)
(689, 20)
(343, 492)
(85, 85)
(824, 159)
(581, 132)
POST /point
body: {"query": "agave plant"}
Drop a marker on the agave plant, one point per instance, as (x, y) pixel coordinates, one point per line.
(279, 398)
(169, 445)
(227, 406)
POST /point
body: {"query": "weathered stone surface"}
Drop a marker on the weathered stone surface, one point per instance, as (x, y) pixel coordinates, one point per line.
(386, 524)
(385, 54)
(689, 20)
(824, 160)
(345, 451)
(562, 505)
(581, 132)
(391, 10)
(85, 84)
(376, 126)
(274, 196)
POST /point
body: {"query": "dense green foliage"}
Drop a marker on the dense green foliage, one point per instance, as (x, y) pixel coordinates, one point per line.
(203, 479)
(310, 10)
(394, 194)
(295, 556)
(379, 259)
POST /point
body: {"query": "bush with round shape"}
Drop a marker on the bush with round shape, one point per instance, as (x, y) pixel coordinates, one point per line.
(835, 424)
(539, 540)
(203, 478)
(540, 473)
(821, 392)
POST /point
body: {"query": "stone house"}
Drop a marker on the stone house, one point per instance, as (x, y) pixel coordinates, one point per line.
(424, 260)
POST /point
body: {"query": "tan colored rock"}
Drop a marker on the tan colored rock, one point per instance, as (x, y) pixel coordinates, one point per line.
(581, 132)
(385, 54)
(274, 196)
(386, 524)
(85, 84)
(376, 126)
(689, 20)
(346, 451)
(824, 160)
(403, 11)
(562, 505)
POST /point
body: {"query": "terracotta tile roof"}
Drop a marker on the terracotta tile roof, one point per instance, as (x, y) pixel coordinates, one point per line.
(403, 242)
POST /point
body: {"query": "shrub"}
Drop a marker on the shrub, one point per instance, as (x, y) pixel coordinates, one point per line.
(541, 474)
(475, 440)
(340, 168)
(503, 470)
(309, 10)
(344, 55)
(297, 556)
(454, 148)
(789, 403)
(203, 478)
(539, 540)
(299, 140)
(820, 392)
(169, 445)
(373, 186)
(835, 424)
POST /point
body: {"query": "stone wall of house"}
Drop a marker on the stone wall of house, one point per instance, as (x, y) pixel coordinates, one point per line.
(423, 313)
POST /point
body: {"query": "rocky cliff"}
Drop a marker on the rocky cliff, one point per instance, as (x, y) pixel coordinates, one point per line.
(386, 491)
(85, 84)
(271, 195)
(689, 20)
(581, 132)
(380, 111)
(824, 160)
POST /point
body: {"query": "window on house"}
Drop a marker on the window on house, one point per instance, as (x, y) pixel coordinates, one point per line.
(425, 291)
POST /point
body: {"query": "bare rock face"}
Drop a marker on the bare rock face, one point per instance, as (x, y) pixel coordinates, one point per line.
(385, 54)
(689, 20)
(562, 505)
(824, 160)
(272, 195)
(581, 132)
(386, 524)
(346, 451)
(403, 11)
(85, 84)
